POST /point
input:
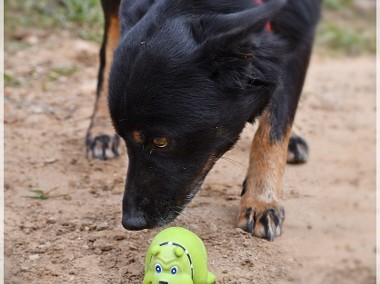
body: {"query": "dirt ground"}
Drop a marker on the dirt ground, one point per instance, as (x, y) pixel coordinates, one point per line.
(75, 235)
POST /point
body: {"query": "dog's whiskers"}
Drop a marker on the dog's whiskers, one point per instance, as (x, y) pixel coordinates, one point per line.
(228, 139)
(233, 162)
(183, 216)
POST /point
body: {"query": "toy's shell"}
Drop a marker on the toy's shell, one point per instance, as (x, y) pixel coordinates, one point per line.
(177, 256)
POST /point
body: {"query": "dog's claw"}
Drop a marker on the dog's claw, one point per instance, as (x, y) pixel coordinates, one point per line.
(103, 146)
(251, 221)
(263, 222)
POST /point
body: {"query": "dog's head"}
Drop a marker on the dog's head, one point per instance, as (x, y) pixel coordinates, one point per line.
(185, 79)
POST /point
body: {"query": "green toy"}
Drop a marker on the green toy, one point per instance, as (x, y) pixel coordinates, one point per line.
(177, 256)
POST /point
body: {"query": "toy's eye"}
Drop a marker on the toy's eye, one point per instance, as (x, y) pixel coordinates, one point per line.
(158, 268)
(174, 270)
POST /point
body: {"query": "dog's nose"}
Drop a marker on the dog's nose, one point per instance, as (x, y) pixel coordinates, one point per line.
(134, 221)
(163, 282)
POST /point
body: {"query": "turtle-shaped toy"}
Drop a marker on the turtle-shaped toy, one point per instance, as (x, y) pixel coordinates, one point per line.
(177, 256)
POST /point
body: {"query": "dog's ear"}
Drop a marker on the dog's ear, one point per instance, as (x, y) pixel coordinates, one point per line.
(237, 51)
(241, 29)
(132, 11)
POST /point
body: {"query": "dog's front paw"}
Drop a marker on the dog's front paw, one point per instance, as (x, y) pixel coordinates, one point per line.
(298, 151)
(261, 219)
(102, 146)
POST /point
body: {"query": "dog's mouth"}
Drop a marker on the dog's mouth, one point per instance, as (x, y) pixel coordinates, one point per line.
(178, 210)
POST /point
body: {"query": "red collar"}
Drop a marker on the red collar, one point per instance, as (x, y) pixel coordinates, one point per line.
(269, 25)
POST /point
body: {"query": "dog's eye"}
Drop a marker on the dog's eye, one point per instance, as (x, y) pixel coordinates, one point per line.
(160, 142)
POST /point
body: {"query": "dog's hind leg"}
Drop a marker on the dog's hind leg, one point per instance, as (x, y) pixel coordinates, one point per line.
(102, 142)
(261, 213)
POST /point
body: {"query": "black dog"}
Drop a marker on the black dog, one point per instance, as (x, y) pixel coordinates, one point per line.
(186, 76)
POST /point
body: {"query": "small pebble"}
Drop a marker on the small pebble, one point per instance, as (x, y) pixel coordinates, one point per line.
(102, 245)
(102, 226)
(51, 220)
(34, 257)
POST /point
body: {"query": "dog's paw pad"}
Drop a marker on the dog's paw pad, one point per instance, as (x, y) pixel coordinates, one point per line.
(263, 222)
(298, 151)
(103, 146)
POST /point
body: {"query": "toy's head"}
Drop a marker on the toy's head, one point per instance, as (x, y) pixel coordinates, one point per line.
(177, 256)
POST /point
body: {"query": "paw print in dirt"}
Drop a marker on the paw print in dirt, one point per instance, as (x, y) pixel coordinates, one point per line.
(263, 220)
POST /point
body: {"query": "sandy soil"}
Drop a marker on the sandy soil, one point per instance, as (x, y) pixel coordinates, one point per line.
(75, 236)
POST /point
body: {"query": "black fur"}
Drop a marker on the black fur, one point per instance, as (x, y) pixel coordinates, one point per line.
(195, 71)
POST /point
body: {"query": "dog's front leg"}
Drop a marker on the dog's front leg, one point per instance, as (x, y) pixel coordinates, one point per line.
(102, 142)
(261, 213)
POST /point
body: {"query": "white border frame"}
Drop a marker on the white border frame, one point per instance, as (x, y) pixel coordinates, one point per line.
(377, 144)
(2, 142)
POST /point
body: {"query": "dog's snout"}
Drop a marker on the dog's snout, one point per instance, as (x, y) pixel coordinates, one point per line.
(134, 221)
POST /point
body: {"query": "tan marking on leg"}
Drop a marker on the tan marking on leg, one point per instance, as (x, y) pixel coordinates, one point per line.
(267, 164)
(101, 107)
(260, 211)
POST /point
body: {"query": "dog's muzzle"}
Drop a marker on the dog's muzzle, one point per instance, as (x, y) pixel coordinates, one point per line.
(134, 221)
